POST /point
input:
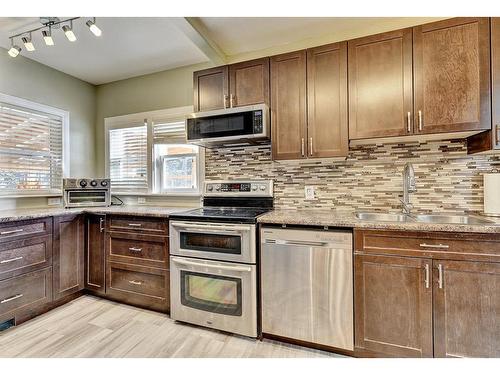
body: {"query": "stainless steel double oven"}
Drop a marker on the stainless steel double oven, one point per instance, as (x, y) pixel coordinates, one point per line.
(213, 263)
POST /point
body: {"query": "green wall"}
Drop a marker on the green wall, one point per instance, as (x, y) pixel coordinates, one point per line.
(33, 81)
(166, 89)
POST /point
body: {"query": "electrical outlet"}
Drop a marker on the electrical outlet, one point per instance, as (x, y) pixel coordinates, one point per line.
(54, 201)
(141, 200)
(309, 192)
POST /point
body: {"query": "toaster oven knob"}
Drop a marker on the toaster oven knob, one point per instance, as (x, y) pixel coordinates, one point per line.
(93, 183)
(210, 188)
(83, 183)
(104, 183)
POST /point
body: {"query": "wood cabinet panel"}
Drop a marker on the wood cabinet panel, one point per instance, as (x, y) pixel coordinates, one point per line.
(22, 256)
(380, 85)
(68, 255)
(495, 81)
(288, 105)
(466, 309)
(152, 225)
(393, 306)
(95, 262)
(211, 88)
(452, 75)
(249, 82)
(23, 229)
(327, 101)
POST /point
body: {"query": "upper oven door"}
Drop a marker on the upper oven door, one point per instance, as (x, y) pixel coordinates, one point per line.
(227, 242)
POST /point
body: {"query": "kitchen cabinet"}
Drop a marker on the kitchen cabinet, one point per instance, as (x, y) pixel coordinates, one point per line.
(380, 85)
(327, 126)
(426, 294)
(288, 105)
(452, 76)
(490, 140)
(211, 88)
(235, 85)
(393, 304)
(68, 255)
(95, 262)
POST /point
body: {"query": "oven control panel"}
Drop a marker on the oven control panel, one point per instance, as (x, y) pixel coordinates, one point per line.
(262, 188)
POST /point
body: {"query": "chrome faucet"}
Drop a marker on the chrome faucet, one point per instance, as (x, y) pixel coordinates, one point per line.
(409, 186)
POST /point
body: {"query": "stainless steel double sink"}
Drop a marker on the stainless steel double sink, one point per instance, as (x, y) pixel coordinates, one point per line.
(432, 218)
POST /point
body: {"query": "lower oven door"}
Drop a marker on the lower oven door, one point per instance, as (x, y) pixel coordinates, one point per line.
(219, 295)
(218, 241)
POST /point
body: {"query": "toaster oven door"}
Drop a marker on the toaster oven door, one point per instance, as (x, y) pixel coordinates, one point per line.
(86, 198)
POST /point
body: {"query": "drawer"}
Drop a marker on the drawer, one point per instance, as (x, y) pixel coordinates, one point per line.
(459, 246)
(157, 226)
(138, 285)
(22, 256)
(138, 249)
(25, 292)
(26, 228)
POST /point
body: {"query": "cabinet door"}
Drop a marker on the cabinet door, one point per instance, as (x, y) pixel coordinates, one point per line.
(452, 75)
(495, 79)
(327, 101)
(393, 306)
(68, 255)
(95, 262)
(288, 105)
(249, 82)
(210, 88)
(380, 85)
(466, 309)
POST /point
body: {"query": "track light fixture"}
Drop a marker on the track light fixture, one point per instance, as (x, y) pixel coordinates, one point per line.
(49, 23)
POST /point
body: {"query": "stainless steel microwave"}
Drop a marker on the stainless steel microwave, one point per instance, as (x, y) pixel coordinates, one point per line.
(227, 127)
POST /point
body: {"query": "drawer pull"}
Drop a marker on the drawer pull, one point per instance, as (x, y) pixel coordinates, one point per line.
(440, 276)
(10, 260)
(427, 277)
(134, 225)
(134, 282)
(12, 231)
(136, 249)
(438, 246)
(11, 298)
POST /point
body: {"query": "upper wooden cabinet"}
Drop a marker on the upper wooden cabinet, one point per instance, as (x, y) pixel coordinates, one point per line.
(452, 75)
(249, 83)
(327, 125)
(236, 85)
(380, 85)
(211, 88)
(288, 105)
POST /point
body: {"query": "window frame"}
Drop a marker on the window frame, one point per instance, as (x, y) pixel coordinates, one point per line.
(149, 118)
(65, 155)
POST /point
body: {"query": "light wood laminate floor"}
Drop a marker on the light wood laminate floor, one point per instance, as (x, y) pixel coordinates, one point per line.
(95, 327)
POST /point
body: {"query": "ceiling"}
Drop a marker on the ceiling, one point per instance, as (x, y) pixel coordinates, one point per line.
(131, 46)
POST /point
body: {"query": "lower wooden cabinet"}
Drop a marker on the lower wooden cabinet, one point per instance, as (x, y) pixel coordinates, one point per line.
(68, 255)
(393, 305)
(95, 261)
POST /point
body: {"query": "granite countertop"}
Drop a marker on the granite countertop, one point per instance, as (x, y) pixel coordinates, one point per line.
(34, 213)
(347, 219)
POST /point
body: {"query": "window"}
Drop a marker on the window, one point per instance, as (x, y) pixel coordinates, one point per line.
(31, 147)
(148, 154)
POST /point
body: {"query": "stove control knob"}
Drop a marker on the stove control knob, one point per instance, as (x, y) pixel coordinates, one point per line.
(104, 183)
(93, 183)
(254, 188)
(262, 187)
(83, 183)
(210, 188)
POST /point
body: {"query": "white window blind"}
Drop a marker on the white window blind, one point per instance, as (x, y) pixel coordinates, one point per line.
(128, 159)
(169, 132)
(31, 151)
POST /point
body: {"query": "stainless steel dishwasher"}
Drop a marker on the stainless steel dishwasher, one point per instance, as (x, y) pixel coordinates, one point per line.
(307, 285)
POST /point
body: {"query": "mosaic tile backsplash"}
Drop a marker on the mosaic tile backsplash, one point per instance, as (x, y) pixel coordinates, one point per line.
(448, 180)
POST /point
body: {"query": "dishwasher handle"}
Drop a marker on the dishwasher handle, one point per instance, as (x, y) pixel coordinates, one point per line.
(296, 243)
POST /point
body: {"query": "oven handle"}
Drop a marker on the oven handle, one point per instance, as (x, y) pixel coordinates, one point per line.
(220, 267)
(212, 228)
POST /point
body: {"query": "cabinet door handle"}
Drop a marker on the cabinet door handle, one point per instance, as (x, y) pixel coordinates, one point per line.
(101, 224)
(408, 119)
(438, 246)
(11, 298)
(427, 277)
(497, 134)
(134, 282)
(134, 225)
(232, 100)
(136, 249)
(224, 98)
(12, 231)
(311, 146)
(420, 123)
(440, 276)
(10, 260)
(302, 147)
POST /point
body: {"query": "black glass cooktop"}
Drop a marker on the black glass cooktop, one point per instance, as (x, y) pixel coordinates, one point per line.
(239, 214)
